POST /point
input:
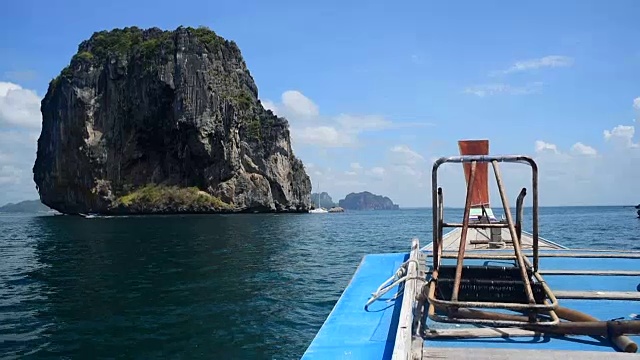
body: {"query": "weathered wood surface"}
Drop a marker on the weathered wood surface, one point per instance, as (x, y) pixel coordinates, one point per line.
(430, 353)
(591, 272)
(489, 332)
(478, 239)
(598, 295)
(490, 254)
(403, 345)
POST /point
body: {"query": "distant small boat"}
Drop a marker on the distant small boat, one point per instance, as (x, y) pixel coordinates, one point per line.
(319, 209)
(487, 289)
(88, 216)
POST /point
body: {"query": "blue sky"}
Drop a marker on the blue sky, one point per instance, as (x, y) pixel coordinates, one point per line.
(375, 90)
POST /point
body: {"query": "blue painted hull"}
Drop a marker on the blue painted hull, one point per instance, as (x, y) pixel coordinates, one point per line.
(350, 332)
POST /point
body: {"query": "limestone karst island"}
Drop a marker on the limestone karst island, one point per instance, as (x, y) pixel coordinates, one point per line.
(146, 121)
(153, 121)
(354, 201)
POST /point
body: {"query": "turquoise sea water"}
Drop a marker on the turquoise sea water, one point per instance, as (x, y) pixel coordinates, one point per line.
(212, 286)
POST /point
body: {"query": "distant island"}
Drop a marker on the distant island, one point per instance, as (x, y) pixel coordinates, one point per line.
(325, 200)
(367, 201)
(27, 206)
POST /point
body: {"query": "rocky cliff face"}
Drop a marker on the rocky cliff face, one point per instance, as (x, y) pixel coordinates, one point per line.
(163, 121)
(367, 201)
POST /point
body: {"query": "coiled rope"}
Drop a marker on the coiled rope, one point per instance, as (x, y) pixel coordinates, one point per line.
(398, 278)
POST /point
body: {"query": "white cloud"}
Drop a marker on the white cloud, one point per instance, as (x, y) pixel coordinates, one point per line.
(377, 172)
(299, 104)
(541, 146)
(408, 170)
(584, 175)
(269, 105)
(582, 149)
(352, 123)
(578, 174)
(20, 122)
(308, 127)
(17, 155)
(10, 175)
(5, 87)
(403, 155)
(621, 135)
(348, 185)
(400, 173)
(551, 61)
(5, 157)
(403, 183)
(501, 88)
(19, 107)
(636, 103)
(326, 136)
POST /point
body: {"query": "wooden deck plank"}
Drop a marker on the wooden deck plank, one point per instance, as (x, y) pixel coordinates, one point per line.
(478, 239)
(429, 353)
(598, 295)
(413, 285)
(488, 332)
(591, 272)
(506, 256)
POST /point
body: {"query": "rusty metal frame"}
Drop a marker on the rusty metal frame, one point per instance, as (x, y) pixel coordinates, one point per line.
(515, 231)
(437, 205)
(520, 212)
(431, 286)
(465, 229)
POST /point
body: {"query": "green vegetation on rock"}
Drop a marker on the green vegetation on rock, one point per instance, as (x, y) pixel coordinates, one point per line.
(124, 41)
(121, 41)
(66, 73)
(161, 198)
(244, 100)
(207, 36)
(83, 56)
(254, 129)
(151, 47)
(131, 40)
